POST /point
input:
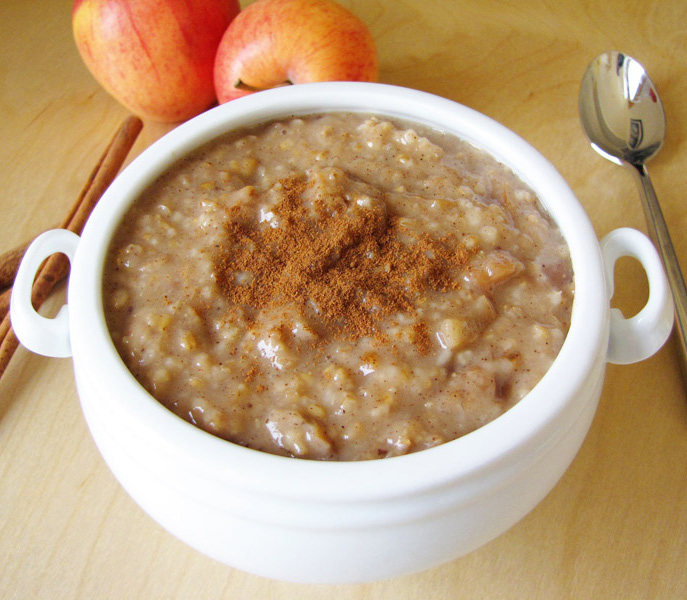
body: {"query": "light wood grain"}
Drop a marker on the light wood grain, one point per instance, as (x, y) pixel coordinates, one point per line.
(614, 527)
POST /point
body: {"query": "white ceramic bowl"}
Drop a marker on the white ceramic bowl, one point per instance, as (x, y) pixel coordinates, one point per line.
(314, 521)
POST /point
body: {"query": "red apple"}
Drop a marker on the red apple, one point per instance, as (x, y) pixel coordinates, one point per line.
(276, 42)
(155, 57)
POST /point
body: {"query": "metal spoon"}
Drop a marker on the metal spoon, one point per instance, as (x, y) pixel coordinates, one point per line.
(624, 120)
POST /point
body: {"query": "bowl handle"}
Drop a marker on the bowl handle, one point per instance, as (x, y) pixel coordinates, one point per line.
(638, 337)
(39, 334)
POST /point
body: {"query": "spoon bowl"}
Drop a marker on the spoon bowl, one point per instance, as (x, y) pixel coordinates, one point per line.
(624, 119)
(621, 110)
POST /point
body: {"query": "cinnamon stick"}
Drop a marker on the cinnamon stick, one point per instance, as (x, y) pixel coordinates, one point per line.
(5, 303)
(9, 263)
(56, 266)
(8, 343)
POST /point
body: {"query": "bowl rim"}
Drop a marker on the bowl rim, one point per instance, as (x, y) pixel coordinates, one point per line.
(460, 459)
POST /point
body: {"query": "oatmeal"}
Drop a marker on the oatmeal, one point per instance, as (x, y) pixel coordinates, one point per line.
(338, 287)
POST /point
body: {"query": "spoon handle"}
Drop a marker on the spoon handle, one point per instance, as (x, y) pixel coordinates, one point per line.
(658, 232)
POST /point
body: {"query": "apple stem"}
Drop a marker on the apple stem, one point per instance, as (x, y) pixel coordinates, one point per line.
(240, 85)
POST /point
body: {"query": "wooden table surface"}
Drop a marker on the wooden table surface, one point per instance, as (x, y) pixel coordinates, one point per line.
(616, 524)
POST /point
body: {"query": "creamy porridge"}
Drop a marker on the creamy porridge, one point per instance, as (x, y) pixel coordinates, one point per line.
(338, 287)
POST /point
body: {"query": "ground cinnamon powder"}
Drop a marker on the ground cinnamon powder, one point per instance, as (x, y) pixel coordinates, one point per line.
(349, 269)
